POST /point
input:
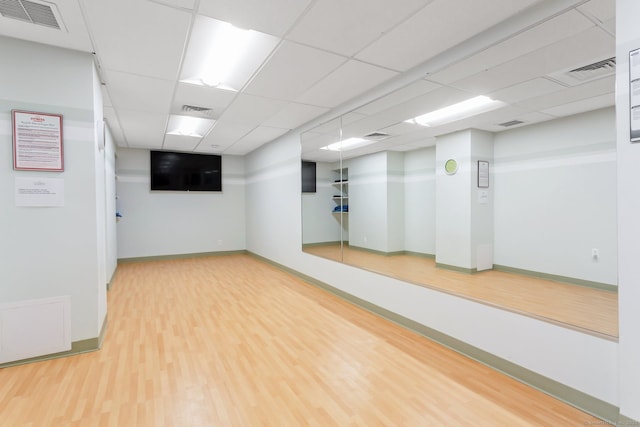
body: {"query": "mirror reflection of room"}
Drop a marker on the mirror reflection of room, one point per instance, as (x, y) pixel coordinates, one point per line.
(511, 202)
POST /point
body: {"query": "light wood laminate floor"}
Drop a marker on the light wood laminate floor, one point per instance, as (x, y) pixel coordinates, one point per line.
(232, 341)
(588, 309)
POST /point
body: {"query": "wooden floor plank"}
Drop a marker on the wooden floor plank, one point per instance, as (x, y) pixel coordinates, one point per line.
(231, 341)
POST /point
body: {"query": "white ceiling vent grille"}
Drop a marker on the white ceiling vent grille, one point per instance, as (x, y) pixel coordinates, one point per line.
(377, 136)
(40, 13)
(511, 123)
(193, 110)
(585, 73)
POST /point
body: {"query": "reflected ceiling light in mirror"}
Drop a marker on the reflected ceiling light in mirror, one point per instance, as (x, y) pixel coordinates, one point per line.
(461, 110)
(223, 56)
(188, 126)
(348, 144)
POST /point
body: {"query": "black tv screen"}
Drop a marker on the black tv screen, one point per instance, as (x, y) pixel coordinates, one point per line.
(172, 171)
(308, 177)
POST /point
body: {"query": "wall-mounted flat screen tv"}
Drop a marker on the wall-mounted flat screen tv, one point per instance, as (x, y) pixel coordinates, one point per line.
(173, 171)
(308, 177)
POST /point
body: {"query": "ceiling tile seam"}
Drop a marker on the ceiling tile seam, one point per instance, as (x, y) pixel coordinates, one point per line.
(390, 30)
(522, 21)
(99, 69)
(176, 81)
(522, 15)
(302, 14)
(174, 7)
(228, 146)
(596, 21)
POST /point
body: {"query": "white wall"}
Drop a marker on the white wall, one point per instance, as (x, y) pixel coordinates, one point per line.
(482, 212)
(578, 360)
(273, 180)
(420, 201)
(453, 206)
(111, 204)
(319, 224)
(156, 223)
(100, 199)
(395, 202)
(52, 251)
(627, 39)
(555, 197)
(368, 216)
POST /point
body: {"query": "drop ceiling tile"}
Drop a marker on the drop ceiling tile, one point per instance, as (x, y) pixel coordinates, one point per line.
(527, 90)
(489, 119)
(322, 156)
(294, 115)
(180, 143)
(251, 110)
(583, 105)
(552, 31)
(134, 92)
(584, 48)
(273, 17)
(428, 32)
(349, 80)
(572, 94)
(114, 126)
(399, 129)
(224, 135)
(180, 4)
(430, 101)
(413, 140)
(292, 70)
(398, 97)
(256, 138)
(202, 96)
(357, 24)
(149, 38)
(143, 129)
(526, 118)
(602, 10)
(329, 127)
(610, 26)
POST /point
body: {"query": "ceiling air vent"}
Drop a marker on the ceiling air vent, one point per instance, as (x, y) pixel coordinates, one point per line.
(511, 123)
(585, 73)
(197, 111)
(40, 13)
(377, 136)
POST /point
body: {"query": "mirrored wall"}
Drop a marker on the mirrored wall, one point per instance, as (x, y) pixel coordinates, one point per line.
(511, 203)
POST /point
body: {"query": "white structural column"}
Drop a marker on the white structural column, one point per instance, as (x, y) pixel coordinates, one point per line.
(464, 210)
(628, 39)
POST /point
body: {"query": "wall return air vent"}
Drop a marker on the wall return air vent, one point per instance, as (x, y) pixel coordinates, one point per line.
(40, 13)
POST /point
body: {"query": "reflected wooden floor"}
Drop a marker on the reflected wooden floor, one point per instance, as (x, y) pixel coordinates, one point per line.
(231, 341)
(590, 309)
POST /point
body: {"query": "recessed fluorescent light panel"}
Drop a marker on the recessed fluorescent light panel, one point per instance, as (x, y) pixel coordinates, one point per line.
(348, 144)
(188, 126)
(223, 56)
(461, 110)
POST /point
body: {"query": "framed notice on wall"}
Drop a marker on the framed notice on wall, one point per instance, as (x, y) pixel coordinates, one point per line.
(483, 174)
(37, 141)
